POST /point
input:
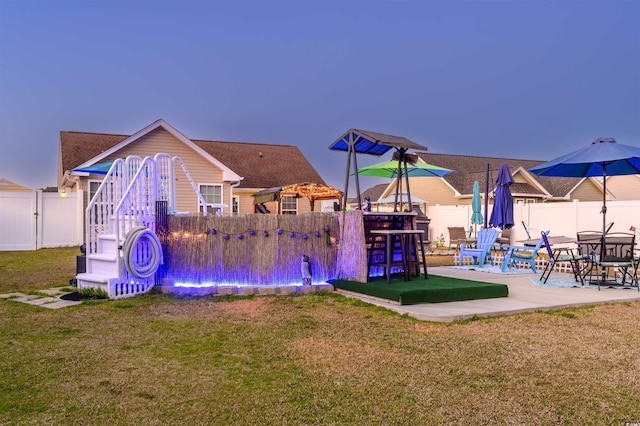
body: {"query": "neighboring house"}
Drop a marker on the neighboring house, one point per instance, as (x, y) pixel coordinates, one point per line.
(8, 186)
(624, 187)
(227, 173)
(374, 193)
(456, 188)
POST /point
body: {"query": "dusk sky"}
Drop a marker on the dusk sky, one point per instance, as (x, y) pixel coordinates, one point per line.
(519, 79)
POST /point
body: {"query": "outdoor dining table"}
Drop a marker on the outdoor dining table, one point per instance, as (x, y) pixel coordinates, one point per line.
(558, 239)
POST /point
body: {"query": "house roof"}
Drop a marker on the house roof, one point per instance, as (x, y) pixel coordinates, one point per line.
(7, 185)
(468, 169)
(261, 165)
(374, 193)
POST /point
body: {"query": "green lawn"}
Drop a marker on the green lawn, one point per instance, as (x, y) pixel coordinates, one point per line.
(312, 359)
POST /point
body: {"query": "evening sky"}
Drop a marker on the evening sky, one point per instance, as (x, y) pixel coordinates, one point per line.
(520, 79)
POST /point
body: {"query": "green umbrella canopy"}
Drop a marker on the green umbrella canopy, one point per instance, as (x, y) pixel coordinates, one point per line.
(389, 169)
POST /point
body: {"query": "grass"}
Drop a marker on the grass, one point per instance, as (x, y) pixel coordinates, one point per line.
(26, 271)
(307, 359)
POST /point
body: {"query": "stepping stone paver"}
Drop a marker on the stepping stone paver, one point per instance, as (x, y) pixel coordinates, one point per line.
(50, 302)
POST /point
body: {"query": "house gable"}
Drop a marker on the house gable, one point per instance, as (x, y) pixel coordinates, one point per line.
(119, 147)
(589, 189)
(624, 187)
(235, 165)
(9, 186)
(467, 169)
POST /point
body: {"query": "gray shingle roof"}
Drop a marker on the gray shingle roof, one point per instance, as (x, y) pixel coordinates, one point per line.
(261, 165)
(467, 169)
(374, 193)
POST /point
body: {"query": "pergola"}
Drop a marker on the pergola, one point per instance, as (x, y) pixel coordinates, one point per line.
(363, 141)
(312, 191)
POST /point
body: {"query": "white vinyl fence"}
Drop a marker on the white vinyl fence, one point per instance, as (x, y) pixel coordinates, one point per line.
(32, 220)
(559, 218)
(36, 219)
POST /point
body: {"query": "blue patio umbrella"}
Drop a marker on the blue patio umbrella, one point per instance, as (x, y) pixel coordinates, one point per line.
(603, 157)
(502, 213)
(98, 168)
(476, 205)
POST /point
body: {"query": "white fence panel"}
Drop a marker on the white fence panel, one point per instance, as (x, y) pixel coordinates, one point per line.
(18, 220)
(61, 220)
(560, 218)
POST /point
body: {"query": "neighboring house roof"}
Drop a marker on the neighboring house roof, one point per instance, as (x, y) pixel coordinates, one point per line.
(374, 193)
(261, 165)
(467, 169)
(7, 185)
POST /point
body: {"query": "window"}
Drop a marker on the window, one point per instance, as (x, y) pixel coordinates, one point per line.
(289, 205)
(93, 188)
(212, 195)
(235, 205)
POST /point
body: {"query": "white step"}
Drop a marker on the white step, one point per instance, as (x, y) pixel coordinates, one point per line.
(94, 281)
(103, 264)
(107, 243)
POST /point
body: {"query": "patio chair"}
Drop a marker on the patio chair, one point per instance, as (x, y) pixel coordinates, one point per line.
(505, 237)
(457, 236)
(617, 252)
(562, 254)
(515, 254)
(482, 251)
(588, 249)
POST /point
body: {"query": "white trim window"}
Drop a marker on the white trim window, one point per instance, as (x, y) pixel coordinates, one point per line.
(289, 205)
(93, 186)
(212, 195)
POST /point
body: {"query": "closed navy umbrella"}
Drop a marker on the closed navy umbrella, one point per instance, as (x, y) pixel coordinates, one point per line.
(502, 213)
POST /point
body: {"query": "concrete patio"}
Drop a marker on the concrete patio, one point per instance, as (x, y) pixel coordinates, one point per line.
(524, 296)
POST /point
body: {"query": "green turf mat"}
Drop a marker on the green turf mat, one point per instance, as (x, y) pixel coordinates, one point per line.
(421, 290)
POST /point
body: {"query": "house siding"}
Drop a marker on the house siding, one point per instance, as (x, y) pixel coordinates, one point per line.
(201, 171)
(433, 190)
(624, 187)
(8, 186)
(587, 191)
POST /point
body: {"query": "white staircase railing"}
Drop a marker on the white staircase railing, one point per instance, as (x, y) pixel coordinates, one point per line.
(123, 251)
(102, 205)
(136, 207)
(203, 203)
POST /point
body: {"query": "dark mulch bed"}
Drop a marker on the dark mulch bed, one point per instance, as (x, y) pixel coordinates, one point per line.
(76, 297)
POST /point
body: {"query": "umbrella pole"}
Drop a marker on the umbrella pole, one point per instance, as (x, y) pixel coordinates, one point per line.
(346, 180)
(604, 201)
(406, 177)
(355, 165)
(486, 197)
(604, 220)
(398, 182)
